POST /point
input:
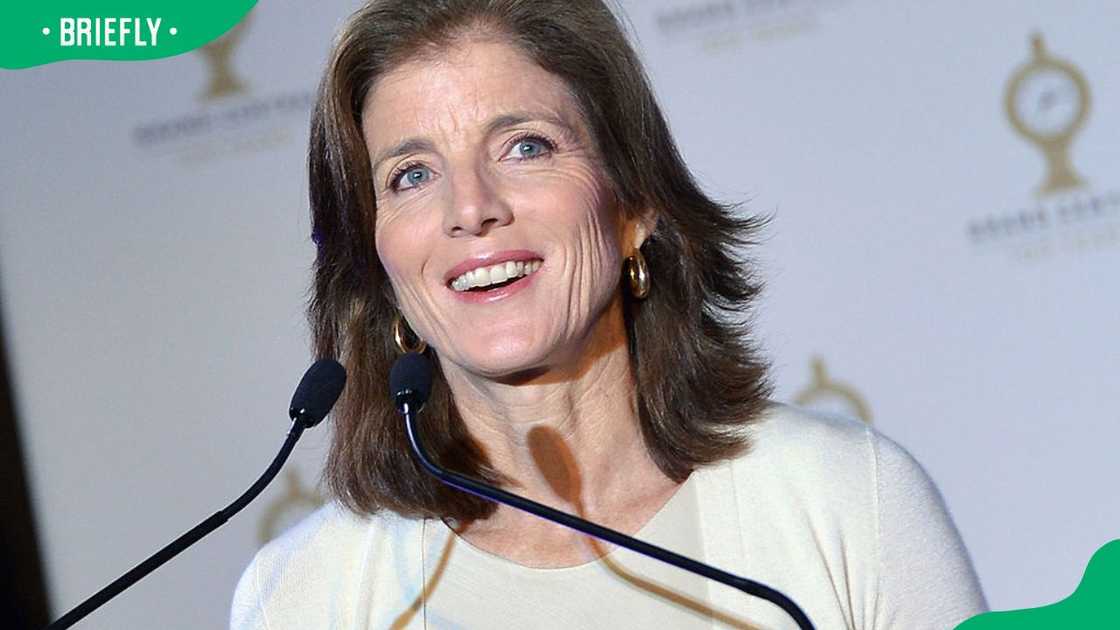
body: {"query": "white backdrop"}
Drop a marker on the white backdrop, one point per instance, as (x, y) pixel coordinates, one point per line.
(154, 258)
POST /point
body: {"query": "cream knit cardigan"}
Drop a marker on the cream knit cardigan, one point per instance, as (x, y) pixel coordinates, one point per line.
(824, 509)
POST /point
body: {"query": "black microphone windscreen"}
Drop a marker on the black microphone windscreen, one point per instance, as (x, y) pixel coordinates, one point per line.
(411, 373)
(317, 392)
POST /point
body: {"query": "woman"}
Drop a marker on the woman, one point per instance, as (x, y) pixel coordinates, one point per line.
(493, 183)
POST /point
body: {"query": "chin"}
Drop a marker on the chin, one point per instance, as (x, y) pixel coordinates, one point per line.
(503, 357)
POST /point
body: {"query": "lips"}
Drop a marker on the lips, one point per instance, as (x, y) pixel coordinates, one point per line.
(486, 278)
(489, 260)
(470, 281)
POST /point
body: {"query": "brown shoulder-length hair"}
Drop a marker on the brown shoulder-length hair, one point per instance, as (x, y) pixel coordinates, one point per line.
(698, 375)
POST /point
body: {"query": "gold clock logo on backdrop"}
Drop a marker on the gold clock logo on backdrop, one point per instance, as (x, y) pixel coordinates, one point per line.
(829, 395)
(219, 56)
(287, 510)
(1047, 102)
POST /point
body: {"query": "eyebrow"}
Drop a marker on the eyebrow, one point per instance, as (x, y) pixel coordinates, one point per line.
(417, 145)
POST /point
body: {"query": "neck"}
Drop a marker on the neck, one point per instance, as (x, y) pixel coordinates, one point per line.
(568, 436)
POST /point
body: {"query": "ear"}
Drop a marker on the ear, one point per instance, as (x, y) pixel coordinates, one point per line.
(641, 227)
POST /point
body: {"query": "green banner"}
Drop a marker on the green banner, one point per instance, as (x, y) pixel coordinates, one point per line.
(33, 32)
(1094, 604)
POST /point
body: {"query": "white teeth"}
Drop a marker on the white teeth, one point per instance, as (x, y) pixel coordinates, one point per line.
(498, 274)
(480, 277)
(485, 276)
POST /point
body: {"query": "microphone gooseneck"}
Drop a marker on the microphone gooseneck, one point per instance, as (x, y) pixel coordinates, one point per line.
(317, 392)
(410, 396)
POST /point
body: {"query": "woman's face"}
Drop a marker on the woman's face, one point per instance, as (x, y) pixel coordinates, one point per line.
(494, 220)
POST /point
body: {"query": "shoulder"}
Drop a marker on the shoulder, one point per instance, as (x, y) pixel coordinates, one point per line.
(808, 443)
(821, 442)
(313, 542)
(314, 567)
(829, 464)
(782, 426)
(853, 510)
(870, 509)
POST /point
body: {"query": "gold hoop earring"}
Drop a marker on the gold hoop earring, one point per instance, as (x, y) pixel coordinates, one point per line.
(399, 336)
(638, 272)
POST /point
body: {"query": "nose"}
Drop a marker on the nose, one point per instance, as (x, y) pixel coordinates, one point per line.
(476, 206)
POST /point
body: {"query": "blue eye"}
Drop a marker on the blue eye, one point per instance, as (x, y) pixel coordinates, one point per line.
(533, 146)
(409, 176)
(414, 174)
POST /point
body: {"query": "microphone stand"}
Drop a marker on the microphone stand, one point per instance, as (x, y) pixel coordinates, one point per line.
(176, 546)
(491, 493)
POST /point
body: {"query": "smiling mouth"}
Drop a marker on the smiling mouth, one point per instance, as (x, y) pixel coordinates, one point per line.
(494, 276)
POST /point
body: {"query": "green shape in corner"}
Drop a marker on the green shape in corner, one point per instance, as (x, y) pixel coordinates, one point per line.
(1094, 604)
(33, 32)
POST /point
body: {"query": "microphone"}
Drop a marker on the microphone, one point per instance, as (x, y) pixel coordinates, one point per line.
(317, 392)
(410, 383)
